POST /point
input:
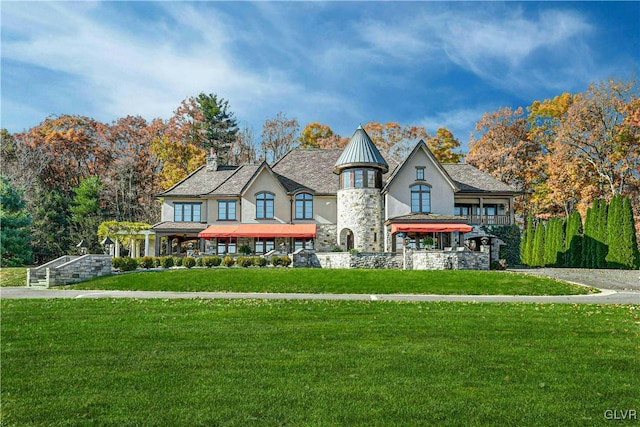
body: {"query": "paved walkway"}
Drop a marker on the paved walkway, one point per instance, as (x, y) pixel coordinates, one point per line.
(618, 287)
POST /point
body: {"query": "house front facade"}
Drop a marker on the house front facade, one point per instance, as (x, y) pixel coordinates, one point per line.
(327, 200)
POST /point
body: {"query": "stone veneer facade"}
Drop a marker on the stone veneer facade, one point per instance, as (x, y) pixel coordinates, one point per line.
(360, 210)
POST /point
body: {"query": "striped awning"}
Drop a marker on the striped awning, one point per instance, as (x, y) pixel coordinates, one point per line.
(260, 230)
(430, 228)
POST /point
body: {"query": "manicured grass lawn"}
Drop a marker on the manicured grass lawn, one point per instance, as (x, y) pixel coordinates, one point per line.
(257, 362)
(16, 276)
(301, 280)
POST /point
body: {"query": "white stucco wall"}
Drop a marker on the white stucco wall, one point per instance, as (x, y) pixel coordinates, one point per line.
(325, 209)
(398, 197)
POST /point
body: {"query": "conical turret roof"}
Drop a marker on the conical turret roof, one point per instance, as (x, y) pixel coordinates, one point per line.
(360, 151)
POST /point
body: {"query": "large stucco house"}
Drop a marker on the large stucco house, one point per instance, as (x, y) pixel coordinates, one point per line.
(323, 199)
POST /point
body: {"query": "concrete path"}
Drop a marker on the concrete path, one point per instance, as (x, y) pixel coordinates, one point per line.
(606, 297)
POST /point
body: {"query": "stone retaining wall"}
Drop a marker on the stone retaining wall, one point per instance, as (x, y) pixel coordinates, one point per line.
(71, 270)
(450, 260)
(415, 260)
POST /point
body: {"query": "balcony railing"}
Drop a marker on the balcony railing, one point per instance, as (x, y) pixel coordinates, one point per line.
(488, 219)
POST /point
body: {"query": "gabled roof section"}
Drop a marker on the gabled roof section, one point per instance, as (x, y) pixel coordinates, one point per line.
(360, 151)
(264, 166)
(236, 183)
(470, 179)
(421, 146)
(200, 181)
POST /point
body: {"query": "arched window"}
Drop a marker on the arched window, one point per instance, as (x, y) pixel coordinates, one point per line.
(420, 198)
(304, 206)
(264, 205)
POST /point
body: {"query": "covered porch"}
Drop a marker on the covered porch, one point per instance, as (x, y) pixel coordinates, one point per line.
(257, 238)
(425, 231)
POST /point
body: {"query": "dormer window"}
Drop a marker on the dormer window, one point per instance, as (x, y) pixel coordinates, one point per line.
(420, 173)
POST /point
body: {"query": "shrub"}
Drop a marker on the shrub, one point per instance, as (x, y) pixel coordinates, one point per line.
(156, 261)
(336, 249)
(166, 262)
(116, 262)
(244, 261)
(245, 250)
(189, 262)
(146, 262)
(259, 261)
(128, 264)
(199, 262)
(283, 261)
(177, 261)
(228, 261)
(213, 261)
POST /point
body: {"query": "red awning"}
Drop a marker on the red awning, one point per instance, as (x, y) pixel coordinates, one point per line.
(260, 230)
(429, 228)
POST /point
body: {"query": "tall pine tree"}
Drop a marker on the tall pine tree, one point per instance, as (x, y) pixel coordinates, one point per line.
(15, 250)
(526, 244)
(537, 254)
(629, 255)
(573, 240)
(601, 248)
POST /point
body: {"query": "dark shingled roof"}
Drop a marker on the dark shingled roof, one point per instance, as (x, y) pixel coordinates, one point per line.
(309, 169)
(235, 183)
(470, 179)
(201, 181)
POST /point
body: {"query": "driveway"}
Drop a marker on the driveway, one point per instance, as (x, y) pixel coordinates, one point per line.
(621, 280)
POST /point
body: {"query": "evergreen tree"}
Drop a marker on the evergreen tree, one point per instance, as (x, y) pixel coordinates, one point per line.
(629, 256)
(548, 258)
(614, 229)
(510, 235)
(573, 240)
(589, 239)
(601, 247)
(537, 254)
(219, 124)
(15, 250)
(51, 234)
(526, 244)
(86, 214)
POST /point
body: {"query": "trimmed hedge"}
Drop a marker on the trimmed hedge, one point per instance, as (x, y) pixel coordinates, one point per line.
(283, 261)
(189, 262)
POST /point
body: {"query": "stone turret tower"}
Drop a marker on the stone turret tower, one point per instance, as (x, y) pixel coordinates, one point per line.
(360, 210)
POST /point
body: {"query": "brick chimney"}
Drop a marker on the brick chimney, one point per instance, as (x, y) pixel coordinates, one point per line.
(212, 161)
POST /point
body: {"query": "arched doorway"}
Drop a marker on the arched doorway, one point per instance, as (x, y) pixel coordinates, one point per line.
(346, 239)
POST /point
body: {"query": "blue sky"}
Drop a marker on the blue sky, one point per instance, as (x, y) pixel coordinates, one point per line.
(435, 64)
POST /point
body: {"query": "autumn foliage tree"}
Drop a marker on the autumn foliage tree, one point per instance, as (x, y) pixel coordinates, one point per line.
(279, 135)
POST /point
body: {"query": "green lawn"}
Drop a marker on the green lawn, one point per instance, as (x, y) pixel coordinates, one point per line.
(302, 280)
(257, 362)
(16, 276)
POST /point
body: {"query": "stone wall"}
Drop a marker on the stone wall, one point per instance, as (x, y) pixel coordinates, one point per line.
(450, 260)
(349, 260)
(415, 260)
(70, 269)
(37, 276)
(326, 237)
